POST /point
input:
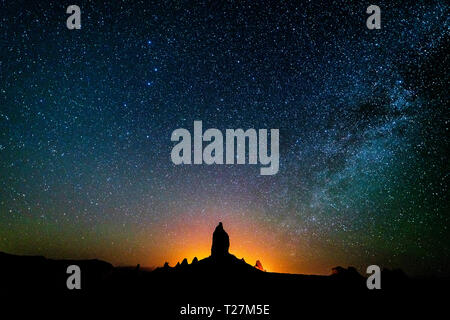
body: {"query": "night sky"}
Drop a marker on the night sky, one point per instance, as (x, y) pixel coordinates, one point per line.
(86, 118)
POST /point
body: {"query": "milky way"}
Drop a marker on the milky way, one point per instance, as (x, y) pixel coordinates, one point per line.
(86, 118)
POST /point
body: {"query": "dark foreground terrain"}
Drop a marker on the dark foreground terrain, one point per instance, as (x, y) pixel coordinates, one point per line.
(216, 281)
(210, 282)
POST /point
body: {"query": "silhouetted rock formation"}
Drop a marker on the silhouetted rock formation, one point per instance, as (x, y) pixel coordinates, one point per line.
(350, 277)
(393, 278)
(220, 243)
(222, 275)
(220, 261)
(259, 265)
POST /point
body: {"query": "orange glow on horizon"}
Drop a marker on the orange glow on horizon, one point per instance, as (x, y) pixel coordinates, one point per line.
(252, 243)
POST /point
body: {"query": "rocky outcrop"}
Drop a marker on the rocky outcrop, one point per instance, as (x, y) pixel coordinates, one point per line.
(259, 265)
(220, 242)
(220, 261)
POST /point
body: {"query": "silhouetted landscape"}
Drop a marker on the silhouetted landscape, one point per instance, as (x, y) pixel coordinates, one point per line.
(218, 279)
(316, 131)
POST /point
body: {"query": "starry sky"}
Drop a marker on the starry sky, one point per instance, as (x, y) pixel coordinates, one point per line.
(86, 118)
